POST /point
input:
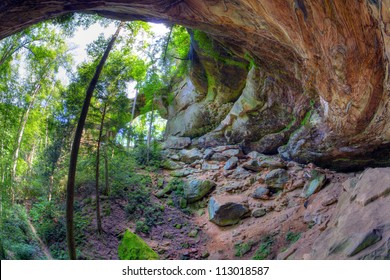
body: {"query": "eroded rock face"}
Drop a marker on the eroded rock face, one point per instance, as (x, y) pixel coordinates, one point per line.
(360, 227)
(307, 78)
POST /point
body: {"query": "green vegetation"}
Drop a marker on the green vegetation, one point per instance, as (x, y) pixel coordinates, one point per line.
(211, 49)
(41, 95)
(292, 237)
(133, 247)
(242, 248)
(264, 249)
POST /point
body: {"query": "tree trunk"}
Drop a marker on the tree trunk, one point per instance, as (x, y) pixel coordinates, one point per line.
(107, 186)
(132, 118)
(76, 146)
(20, 137)
(50, 187)
(98, 216)
(150, 132)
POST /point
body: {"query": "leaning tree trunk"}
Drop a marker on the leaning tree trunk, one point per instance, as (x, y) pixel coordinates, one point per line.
(76, 146)
(20, 137)
(98, 216)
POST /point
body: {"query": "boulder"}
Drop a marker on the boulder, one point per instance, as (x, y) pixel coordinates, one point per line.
(132, 247)
(261, 192)
(226, 211)
(196, 189)
(189, 156)
(231, 163)
(170, 164)
(210, 166)
(277, 179)
(317, 181)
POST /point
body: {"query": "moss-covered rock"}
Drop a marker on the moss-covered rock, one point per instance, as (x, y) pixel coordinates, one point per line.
(196, 189)
(133, 247)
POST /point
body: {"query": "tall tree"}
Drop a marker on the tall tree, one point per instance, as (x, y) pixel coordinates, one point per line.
(98, 217)
(76, 146)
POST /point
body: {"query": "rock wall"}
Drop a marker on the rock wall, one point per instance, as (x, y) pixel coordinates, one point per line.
(333, 54)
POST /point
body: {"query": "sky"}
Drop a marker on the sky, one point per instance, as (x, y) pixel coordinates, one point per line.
(78, 43)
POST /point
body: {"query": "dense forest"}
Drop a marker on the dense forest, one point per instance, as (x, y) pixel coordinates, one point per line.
(81, 133)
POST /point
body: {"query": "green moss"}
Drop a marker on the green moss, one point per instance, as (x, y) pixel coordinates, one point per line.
(207, 46)
(251, 60)
(288, 127)
(204, 42)
(306, 118)
(133, 247)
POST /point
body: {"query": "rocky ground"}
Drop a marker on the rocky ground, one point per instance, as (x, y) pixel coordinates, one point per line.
(260, 206)
(225, 204)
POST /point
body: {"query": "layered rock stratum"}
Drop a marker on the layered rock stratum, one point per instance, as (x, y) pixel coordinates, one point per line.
(307, 78)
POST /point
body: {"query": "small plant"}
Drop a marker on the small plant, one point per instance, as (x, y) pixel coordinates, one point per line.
(242, 248)
(264, 249)
(292, 237)
(140, 226)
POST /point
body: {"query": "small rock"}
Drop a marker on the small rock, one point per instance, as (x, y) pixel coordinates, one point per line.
(193, 233)
(259, 212)
(261, 192)
(234, 187)
(277, 178)
(183, 172)
(255, 155)
(232, 153)
(208, 153)
(240, 173)
(231, 163)
(271, 164)
(220, 149)
(209, 166)
(252, 165)
(219, 157)
(297, 184)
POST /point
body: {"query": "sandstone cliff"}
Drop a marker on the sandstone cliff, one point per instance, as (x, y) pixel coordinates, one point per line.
(315, 73)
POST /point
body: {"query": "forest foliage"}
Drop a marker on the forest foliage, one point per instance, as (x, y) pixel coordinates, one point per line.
(39, 110)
